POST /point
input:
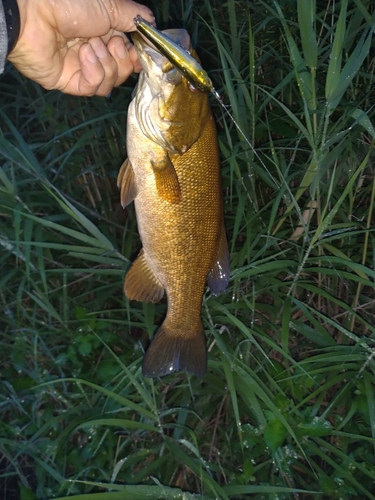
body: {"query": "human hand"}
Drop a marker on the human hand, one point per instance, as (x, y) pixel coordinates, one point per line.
(77, 46)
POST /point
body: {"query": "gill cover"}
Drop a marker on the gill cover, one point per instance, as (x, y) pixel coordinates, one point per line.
(166, 113)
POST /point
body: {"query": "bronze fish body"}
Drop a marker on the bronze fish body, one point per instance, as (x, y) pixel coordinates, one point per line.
(173, 175)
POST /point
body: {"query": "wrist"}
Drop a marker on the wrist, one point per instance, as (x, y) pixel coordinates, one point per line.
(12, 19)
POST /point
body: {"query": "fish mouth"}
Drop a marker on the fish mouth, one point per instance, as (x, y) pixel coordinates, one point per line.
(146, 50)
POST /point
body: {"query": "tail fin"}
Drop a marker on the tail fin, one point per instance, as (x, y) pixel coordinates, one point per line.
(171, 351)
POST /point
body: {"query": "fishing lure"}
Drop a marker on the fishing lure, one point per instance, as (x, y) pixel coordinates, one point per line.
(177, 55)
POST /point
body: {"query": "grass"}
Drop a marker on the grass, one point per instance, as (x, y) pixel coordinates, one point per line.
(287, 408)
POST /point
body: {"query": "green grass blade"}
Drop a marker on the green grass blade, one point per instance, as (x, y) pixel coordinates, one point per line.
(335, 61)
(306, 21)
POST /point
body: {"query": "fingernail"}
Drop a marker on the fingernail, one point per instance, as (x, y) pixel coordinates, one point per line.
(99, 48)
(121, 50)
(90, 54)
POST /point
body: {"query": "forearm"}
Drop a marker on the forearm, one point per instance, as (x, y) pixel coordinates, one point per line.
(3, 38)
(9, 28)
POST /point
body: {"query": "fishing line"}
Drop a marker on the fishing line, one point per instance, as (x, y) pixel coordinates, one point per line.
(193, 72)
(221, 102)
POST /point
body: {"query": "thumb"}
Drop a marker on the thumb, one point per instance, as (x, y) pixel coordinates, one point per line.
(122, 13)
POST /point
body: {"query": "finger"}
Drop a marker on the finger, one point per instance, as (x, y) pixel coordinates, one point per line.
(82, 73)
(123, 52)
(122, 14)
(96, 73)
(134, 58)
(89, 71)
(108, 63)
(131, 53)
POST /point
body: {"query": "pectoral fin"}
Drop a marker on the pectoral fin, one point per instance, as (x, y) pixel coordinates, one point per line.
(141, 283)
(126, 182)
(218, 277)
(166, 179)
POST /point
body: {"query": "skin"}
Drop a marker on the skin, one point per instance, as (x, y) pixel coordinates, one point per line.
(77, 46)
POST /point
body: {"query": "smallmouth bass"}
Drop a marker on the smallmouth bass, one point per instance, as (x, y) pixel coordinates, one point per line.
(173, 175)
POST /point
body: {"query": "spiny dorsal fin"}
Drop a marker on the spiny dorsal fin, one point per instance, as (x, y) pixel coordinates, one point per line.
(141, 283)
(166, 179)
(218, 277)
(126, 182)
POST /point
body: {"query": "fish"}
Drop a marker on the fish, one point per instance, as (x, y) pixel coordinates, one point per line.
(172, 174)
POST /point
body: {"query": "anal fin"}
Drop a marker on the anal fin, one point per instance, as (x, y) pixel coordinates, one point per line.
(218, 277)
(167, 184)
(170, 351)
(126, 182)
(141, 283)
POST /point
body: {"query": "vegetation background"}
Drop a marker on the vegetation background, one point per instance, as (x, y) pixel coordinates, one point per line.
(287, 408)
